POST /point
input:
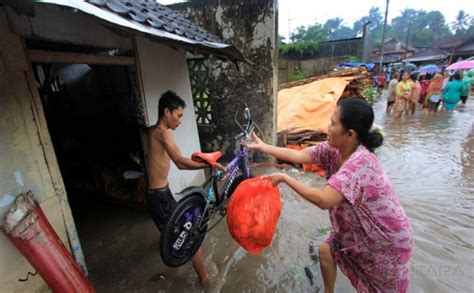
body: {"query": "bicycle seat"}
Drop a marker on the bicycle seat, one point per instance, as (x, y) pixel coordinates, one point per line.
(210, 158)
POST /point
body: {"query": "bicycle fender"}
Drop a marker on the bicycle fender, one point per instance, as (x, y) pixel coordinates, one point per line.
(192, 190)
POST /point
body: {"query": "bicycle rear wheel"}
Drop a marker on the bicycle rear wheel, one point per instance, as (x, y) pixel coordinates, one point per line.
(181, 238)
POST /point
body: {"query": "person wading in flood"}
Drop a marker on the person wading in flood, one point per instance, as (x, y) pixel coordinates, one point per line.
(162, 147)
(403, 96)
(371, 239)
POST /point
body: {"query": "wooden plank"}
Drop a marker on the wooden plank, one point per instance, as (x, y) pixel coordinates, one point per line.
(54, 171)
(42, 56)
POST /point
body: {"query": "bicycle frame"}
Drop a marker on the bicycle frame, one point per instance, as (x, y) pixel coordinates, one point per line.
(239, 163)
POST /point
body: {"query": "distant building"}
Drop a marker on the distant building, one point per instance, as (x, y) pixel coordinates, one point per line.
(394, 50)
(457, 47)
(428, 56)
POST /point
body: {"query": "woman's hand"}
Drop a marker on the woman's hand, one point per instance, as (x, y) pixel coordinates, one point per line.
(255, 144)
(275, 178)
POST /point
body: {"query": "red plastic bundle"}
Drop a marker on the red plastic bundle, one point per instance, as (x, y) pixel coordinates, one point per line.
(253, 212)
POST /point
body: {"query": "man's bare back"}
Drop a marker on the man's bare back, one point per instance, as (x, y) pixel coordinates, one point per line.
(158, 159)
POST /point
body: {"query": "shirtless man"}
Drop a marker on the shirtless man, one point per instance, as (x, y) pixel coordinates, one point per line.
(162, 147)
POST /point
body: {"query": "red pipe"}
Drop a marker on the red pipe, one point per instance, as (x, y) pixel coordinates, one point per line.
(30, 231)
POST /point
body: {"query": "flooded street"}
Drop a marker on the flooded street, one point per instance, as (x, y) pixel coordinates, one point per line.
(430, 161)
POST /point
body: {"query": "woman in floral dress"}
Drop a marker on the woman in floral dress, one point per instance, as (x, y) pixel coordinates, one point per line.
(371, 239)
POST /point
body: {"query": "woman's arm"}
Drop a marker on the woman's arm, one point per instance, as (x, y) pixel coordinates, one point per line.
(324, 199)
(285, 154)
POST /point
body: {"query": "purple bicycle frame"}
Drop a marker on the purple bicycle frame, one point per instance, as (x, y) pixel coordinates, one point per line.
(233, 168)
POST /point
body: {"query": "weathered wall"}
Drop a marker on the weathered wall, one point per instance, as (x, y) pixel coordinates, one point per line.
(162, 69)
(27, 160)
(312, 66)
(340, 48)
(253, 29)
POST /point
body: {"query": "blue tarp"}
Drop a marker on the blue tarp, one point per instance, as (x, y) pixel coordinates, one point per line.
(369, 66)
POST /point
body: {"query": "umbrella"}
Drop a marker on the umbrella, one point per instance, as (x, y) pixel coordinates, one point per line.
(410, 66)
(461, 65)
(430, 68)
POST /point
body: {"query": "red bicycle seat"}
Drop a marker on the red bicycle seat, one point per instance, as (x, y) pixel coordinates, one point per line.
(210, 158)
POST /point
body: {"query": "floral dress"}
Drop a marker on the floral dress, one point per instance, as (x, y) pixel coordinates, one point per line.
(371, 239)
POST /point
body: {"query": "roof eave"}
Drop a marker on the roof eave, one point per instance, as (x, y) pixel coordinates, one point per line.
(220, 50)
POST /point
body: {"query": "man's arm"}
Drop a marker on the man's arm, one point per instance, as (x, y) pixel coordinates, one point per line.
(175, 154)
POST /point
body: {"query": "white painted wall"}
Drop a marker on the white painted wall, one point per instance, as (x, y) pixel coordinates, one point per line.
(162, 69)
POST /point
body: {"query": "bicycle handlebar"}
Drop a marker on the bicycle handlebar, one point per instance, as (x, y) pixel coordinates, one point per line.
(248, 126)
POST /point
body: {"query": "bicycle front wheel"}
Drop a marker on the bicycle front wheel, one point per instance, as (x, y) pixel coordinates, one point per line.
(181, 238)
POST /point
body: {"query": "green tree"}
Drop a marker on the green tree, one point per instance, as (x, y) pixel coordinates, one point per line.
(313, 33)
(376, 23)
(337, 30)
(424, 26)
(462, 23)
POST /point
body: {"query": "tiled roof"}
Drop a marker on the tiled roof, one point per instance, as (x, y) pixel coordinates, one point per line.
(158, 16)
(451, 42)
(391, 45)
(428, 54)
(155, 21)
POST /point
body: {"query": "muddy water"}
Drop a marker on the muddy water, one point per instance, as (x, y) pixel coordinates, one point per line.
(430, 161)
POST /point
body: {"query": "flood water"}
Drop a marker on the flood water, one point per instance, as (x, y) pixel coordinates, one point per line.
(430, 161)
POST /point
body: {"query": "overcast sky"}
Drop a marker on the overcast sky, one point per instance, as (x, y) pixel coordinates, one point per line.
(306, 12)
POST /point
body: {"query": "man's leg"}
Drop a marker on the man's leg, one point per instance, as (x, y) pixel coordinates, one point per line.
(328, 267)
(200, 267)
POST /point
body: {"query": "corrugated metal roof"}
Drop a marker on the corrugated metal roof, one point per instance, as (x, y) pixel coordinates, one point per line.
(156, 21)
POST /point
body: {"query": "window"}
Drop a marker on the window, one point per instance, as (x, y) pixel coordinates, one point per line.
(199, 76)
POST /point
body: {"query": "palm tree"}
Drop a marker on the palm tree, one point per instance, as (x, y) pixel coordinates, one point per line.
(462, 22)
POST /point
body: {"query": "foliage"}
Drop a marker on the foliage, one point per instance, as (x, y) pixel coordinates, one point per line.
(354, 59)
(423, 27)
(299, 50)
(337, 30)
(463, 23)
(312, 33)
(376, 23)
(298, 74)
(369, 93)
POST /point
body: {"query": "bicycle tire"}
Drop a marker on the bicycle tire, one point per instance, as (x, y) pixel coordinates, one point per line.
(173, 252)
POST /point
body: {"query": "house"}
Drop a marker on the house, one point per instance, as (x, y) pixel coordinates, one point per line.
(78, 80)
(457, 47)
(428, 56)
(394, 50)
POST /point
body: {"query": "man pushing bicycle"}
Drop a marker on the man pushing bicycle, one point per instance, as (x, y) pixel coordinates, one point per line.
(162, 147)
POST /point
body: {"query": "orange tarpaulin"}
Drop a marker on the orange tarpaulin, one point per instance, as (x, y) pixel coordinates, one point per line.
(308, 167)
(311, 105)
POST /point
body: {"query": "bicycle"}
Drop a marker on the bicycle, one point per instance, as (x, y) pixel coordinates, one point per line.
(202, 208)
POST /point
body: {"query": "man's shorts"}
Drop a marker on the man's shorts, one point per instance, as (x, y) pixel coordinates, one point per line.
(161, 204)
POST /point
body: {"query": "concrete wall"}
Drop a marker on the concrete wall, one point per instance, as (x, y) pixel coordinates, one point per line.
(162, 69)
(253, 29)
(312, 66)
(27, 160)
(348, 47)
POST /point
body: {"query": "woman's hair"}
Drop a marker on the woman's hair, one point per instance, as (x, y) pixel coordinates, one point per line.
(457, 76)
(414, 76)
(357, 114)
